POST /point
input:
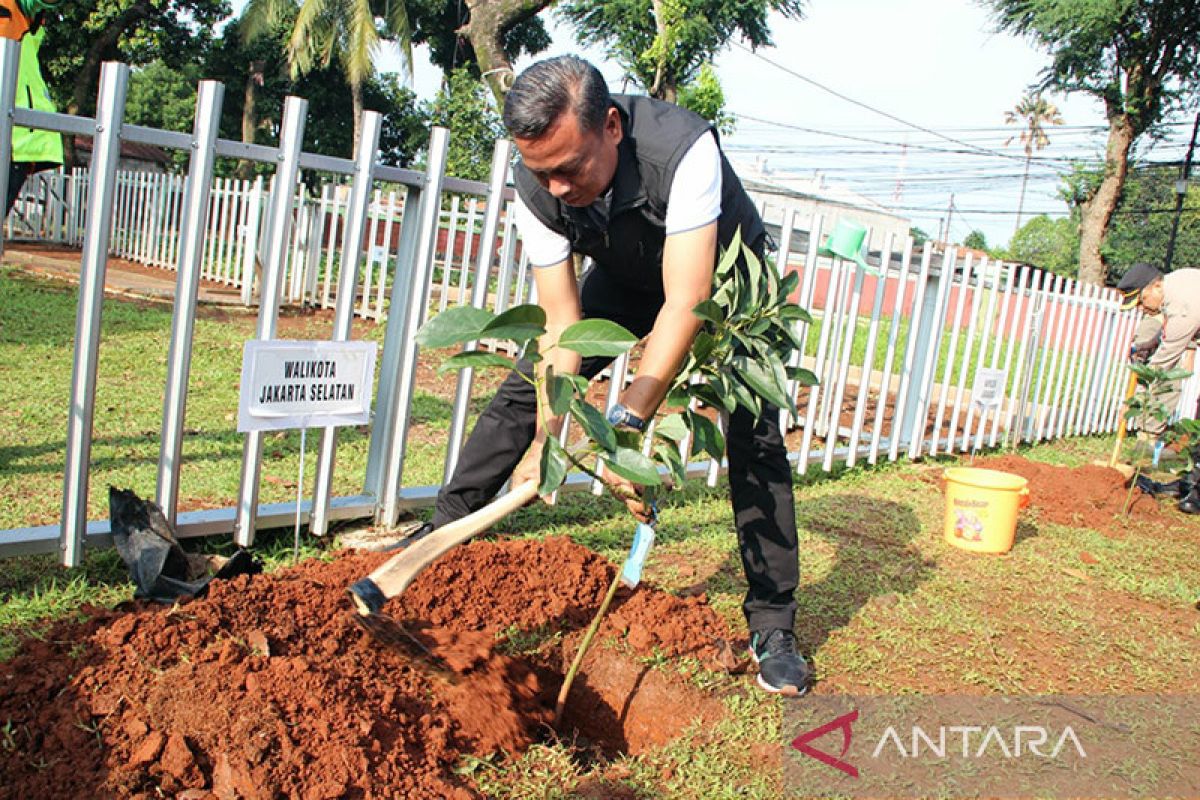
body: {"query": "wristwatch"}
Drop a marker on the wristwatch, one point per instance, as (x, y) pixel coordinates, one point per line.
(619, 416)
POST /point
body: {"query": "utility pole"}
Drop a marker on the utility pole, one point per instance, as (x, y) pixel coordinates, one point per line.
(949, 216)
(1181, 194)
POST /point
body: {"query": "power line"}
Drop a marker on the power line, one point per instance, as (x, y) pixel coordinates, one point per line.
(971, 150)
(873, 109)
(994, 211)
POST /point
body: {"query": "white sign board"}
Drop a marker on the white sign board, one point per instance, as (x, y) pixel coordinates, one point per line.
(988, 391)
(294, 384)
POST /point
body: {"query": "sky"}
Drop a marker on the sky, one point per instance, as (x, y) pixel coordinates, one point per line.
(935, 65)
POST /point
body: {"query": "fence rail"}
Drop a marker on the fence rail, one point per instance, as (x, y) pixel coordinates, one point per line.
(896, 355)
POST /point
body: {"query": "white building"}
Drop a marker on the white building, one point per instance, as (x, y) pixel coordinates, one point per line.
(775, 192)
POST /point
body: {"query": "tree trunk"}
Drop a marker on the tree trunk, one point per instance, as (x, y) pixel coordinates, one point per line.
(485, 28)
(88, 75)
(103, 44)
(254, 79)
(659, 46)
(356, 96)
(1021, 201)
(1098, 209)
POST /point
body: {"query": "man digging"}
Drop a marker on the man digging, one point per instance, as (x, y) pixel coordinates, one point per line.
(642, 187)
(1175, 297)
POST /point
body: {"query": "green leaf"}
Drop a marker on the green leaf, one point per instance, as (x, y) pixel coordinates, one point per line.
(745, 397)
(709, 311)
(668, 456)
(702, 346)
(519, 324)
(788, 284)
(597, 337)
(792, 333)
(629, 463)
(628, 438)
(754, 270)
(672, 428)
(594, 424)
(803, 376)
(759, 326)
(454, 326)
(554, 466)
(794, 313)
(532, 351)
(729, 256)
(478, 359)
(766, 381)
(579, 382)
(559, 393)
(706, 435)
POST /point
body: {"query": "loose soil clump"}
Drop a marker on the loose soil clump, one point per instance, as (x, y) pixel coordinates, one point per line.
(267, 687)
(1088, 496)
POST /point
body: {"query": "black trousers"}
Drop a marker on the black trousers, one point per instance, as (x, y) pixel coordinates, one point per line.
(760, 477)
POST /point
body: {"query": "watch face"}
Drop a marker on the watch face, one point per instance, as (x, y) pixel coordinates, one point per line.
(616, 415)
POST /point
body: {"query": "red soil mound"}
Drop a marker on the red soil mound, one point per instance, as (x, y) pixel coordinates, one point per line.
(268, 688)
(1087, 497)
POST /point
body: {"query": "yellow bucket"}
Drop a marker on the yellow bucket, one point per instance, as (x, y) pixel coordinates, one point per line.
(981, 508)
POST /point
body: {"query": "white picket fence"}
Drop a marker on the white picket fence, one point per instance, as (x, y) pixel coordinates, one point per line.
(898, 356)
(147, 223)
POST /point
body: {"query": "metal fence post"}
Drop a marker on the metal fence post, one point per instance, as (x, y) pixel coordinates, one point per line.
(10, 59)
(352, 237)
(501, 155)
(106, 151)
(383, 421)
(407, 317)
(187, 289)
(291, 140)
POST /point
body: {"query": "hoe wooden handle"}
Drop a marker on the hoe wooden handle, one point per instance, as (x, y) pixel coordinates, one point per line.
(395, 574)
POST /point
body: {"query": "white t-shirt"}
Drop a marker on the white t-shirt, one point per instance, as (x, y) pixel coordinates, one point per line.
(693, 202)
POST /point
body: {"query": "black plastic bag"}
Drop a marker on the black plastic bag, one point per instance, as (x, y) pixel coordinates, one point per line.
(157, 564)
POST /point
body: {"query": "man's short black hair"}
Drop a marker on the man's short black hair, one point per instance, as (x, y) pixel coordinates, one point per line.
(546, 89)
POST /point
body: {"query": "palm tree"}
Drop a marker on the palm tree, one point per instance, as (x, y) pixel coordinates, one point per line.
(349, 31)
(1035, 112)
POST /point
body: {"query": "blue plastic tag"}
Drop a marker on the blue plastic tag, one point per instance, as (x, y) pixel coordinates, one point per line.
(643, 538)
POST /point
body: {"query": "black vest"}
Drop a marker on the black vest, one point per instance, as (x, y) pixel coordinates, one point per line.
(625, 234)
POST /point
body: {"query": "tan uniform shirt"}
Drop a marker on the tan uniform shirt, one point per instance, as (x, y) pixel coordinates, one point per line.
(1180, 315)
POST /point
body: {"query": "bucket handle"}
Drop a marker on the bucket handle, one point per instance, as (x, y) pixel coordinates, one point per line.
(1023, 497)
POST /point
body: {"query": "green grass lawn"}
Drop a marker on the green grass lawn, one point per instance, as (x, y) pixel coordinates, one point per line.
(886, 607)
(37, 328)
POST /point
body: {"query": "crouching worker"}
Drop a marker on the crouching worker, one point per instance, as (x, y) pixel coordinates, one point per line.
(1174, 298)
(642, 187)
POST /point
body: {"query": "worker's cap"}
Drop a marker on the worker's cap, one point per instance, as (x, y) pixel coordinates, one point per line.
(1136, 278)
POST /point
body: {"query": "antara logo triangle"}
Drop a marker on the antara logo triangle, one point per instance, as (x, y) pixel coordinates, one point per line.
(801, 743)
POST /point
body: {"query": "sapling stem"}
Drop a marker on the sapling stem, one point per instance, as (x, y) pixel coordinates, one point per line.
(561, 703)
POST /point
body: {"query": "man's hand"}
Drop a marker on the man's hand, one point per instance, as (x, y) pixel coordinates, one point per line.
(1141, 355)
(630, 493)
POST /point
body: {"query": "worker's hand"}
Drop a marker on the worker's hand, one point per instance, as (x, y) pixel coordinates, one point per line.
(629, 493)
(530, 468)
(1141, 355)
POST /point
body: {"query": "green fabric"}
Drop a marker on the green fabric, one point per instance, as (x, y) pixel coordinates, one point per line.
(34, 145)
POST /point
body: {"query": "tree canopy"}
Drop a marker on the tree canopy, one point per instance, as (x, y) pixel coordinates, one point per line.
(705, 96)
(1141, 58)
(1052, 244)
(662, 44)
(81, 35)
(439, 23)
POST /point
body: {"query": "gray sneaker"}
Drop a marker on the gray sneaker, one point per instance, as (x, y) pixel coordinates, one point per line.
(781, 669)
